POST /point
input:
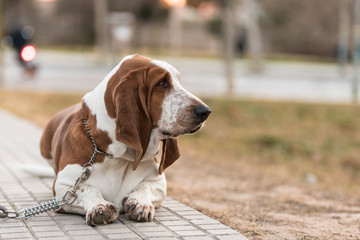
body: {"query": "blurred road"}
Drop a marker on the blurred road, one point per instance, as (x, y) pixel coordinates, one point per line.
(80, 72)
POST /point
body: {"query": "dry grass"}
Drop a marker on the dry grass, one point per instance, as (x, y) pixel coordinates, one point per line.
(36, 107)
(305, 138)
(271, 170)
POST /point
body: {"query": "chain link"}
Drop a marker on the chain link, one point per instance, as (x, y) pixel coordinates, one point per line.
(53, 204)
(4, 213)
(96, 150)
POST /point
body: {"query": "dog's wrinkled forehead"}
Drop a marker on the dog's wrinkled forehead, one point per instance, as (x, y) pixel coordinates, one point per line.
(133, 62)
(174, 73)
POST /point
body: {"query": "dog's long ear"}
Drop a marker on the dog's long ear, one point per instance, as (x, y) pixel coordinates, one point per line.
(133, 123)
(170, 153)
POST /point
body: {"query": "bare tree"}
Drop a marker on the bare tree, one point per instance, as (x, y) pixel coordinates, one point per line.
(343, 42)
(1, 50)
(356, 49)
(247, 16)
(101, 27)
(229, 43)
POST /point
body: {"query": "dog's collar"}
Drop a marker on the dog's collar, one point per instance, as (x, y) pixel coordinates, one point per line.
(96, 150)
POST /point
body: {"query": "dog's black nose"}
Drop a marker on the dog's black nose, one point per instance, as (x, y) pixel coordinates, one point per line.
(202, 112)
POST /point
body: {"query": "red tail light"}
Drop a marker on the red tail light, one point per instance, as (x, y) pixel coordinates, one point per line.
(28, 53)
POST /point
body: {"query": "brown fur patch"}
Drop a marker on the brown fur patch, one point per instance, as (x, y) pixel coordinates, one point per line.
(70, 143)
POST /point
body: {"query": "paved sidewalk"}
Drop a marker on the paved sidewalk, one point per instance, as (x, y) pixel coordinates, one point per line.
(19, 145)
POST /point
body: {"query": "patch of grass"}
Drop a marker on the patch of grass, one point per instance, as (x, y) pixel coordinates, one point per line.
(306, 138)
(287, 147)
(36, 107)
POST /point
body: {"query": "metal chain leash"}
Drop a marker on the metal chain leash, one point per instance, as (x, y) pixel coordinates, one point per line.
(68, 198)
(53, 204)
(96, 150)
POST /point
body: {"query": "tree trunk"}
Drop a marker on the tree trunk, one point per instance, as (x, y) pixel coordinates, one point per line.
(101, 27)
(1, 49)
(343, 42)
(229, 42)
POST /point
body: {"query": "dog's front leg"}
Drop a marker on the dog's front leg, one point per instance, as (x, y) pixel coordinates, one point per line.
(89, 201)
(140, 204)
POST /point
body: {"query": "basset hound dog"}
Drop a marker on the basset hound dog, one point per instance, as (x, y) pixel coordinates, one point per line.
(135, 114)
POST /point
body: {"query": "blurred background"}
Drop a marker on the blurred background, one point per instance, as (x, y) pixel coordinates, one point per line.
(247, 48)
(279, 157)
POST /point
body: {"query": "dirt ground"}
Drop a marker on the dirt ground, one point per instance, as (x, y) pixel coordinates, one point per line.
(261, 202)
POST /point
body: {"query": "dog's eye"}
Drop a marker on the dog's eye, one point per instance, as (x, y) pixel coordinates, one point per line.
(163, 83)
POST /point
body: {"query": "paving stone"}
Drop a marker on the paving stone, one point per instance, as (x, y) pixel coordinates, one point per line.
(222, 231)
(163, 213)
(127, 236)
(193, 216)
(45, 228)
(15, 235)
(189, 212)
(151, 229)
(191, 233)
(198, 238)
(22, 238)
(42, 218)
(41, 223)
(82, 232)
(213, 226)
(116, 224)
(50, 234)
(115, 230)
(180, 208)
(182, 228)
(77, 227)
(69, 217)
(54, 238)
(167, 218)
(175, 223)
(87, 237)
(163, 238)
(18, 229)
(232, 237)
(71, 221)
(204, 221)
(143, 224)
(10, 224)
(158, 234)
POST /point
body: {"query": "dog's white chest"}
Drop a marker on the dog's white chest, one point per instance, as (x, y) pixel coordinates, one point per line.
(115, 178)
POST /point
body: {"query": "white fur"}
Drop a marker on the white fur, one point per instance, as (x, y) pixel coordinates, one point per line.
(111, 181)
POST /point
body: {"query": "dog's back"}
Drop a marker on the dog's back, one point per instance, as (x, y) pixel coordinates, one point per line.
(52, 130)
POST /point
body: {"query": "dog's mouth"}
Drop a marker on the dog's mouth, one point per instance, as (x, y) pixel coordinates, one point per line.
(167, 134)
(197, 128)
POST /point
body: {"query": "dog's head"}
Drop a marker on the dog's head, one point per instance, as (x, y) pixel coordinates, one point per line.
(146, 95)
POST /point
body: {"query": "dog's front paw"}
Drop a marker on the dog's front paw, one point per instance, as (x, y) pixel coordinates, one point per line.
(102, 214)
(137, 210)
